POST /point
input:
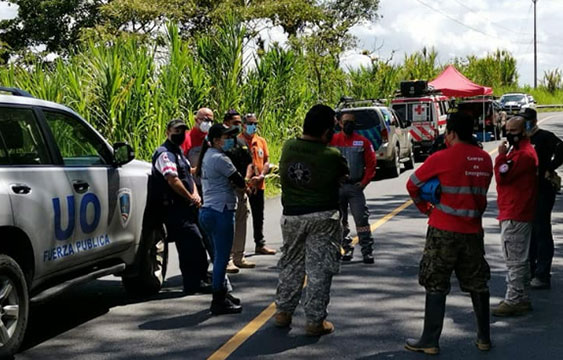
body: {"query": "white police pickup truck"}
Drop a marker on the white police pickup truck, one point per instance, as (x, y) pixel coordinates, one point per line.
(72, 209)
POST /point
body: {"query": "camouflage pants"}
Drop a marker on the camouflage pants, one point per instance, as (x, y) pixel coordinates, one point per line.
(311, 246)
(447, 251)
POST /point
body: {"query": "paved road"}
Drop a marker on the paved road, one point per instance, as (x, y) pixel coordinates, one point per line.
(374, 308)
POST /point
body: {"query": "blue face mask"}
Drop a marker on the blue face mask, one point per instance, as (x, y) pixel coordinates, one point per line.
(251, 129)
(228, 144)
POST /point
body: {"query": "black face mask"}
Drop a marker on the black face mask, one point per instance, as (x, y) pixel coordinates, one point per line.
(514, 139)
(178, 139)
(348, 128)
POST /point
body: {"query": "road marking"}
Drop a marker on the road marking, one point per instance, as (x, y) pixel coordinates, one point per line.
(255, 324)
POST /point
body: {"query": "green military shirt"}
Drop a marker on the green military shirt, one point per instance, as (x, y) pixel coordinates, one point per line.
(310, 175)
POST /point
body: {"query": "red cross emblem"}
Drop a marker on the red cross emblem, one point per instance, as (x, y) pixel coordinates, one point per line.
(419, 109)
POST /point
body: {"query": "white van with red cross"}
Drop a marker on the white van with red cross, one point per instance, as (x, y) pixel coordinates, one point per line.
(425, 112)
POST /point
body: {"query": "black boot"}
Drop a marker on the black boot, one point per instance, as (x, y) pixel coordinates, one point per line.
(221, 305)
(234, 300)
(481, 309)
(433, 320)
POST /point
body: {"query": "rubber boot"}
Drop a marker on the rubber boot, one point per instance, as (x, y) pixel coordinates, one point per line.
(481, 309)
(221, 305)
(434, 311)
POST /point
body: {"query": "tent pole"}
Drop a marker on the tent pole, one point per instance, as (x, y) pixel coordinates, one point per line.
(484, 138)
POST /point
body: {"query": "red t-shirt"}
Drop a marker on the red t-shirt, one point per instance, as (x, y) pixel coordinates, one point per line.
(517, 183)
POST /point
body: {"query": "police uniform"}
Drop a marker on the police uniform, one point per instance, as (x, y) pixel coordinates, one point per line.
(180, 215)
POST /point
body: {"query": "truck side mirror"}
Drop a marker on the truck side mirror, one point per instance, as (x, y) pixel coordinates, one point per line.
(122, 153)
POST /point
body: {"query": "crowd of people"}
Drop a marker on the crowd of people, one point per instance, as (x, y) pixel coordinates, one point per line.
(210, 176)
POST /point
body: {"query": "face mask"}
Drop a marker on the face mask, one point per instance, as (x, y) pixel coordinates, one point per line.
(513, 139)
(178, 139)
(348, 128)
(228, 144)
(251, 129)
(238, 127)
(204, 126)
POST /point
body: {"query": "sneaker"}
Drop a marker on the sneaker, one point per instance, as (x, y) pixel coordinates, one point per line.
(282, 319)
(348, 254)
(318, 329)
(244, 264)
(505, 310)
(231, 268)
(368, 259)
(539, 284)
(264, 250)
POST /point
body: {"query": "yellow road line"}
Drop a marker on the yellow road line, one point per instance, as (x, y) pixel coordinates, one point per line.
(253, 326)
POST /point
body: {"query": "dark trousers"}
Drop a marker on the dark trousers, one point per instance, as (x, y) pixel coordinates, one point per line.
(257, 208)
(184, 232)
(541, 246)
(353, 195)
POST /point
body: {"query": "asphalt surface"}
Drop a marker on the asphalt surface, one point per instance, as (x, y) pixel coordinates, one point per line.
(373, 307)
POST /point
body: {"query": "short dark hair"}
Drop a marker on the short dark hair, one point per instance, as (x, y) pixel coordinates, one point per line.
(230, 114)
(462, 124)
(319, 119)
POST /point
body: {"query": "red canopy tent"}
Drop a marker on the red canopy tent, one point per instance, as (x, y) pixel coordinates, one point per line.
(452, 83)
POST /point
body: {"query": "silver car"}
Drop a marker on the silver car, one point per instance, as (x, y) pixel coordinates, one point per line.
(390, 137)
(72, 209)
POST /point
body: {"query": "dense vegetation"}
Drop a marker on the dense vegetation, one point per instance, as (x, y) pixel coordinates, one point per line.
(129, 86)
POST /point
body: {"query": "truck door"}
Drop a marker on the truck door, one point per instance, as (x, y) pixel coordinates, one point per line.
(95, 184)
(34, 183)
(422, 129)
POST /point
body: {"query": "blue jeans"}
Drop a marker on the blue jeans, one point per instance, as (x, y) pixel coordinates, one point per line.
(220, 228)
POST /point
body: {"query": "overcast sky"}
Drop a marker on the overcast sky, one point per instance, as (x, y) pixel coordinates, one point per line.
(458, 28)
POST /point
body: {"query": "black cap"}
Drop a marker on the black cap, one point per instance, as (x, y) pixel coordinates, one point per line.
(176, 123)
(218, 130)
(528, 114)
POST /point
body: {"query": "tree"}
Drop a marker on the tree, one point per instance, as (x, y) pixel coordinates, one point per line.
(56, 24)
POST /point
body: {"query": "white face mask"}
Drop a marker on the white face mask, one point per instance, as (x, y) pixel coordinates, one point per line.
(204, 126)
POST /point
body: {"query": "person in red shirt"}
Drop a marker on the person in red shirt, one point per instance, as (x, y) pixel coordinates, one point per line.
(196, 135)
(516, 169)
(261, 165)
(455, 239)
(360, 155)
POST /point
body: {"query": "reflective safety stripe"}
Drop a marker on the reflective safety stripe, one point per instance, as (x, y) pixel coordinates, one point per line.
(363, 229)
(415, 181)
(458, 212)
(464, 190)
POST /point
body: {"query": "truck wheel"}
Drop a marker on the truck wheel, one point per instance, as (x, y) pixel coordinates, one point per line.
(409, 165)
(14, 306)
(152, 265)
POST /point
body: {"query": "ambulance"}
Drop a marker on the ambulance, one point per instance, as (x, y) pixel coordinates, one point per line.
(424, 110)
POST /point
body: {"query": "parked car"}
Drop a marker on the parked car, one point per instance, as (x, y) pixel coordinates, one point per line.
(495, 117)
(513, 103)
(387, 132)
(424, 111)
(72, 209)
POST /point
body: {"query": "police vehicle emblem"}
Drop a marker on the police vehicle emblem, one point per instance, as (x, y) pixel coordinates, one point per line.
(125, 206)
(299, 173)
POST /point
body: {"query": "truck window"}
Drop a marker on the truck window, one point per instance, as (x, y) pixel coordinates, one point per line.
(78, 145)
(21, 141)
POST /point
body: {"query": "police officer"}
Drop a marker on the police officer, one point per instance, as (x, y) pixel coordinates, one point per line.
(360, 155)
(175, 188)
(242, 159)
(549, 149)
(454, 240)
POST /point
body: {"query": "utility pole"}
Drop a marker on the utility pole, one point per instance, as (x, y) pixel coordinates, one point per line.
(535, 49)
